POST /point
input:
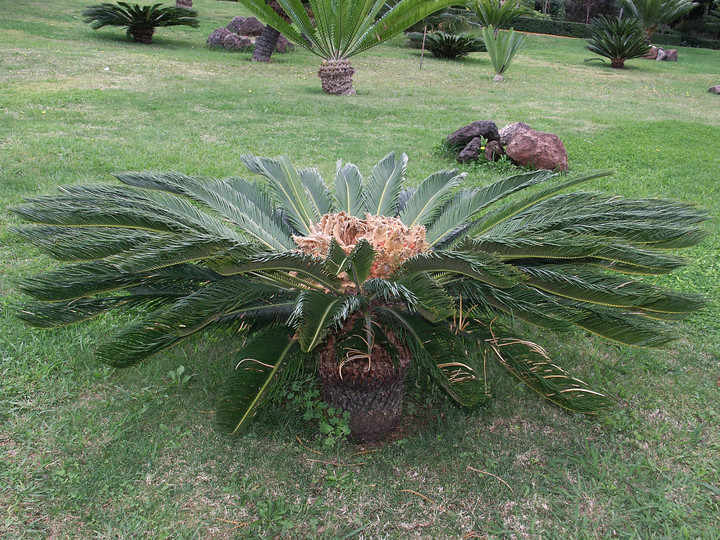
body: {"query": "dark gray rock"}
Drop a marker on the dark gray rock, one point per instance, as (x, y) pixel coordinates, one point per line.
(233, 42)
(284, 45)
(714, 89)
(217, 37)
(235, 24)
(481, 128)
(251, 27)
(494, 151)
(471, 152)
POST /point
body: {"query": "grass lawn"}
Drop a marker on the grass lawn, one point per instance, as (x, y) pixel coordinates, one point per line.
(88, 451)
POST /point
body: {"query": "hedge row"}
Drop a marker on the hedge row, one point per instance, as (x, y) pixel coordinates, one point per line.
(582, 30)
(549, 26)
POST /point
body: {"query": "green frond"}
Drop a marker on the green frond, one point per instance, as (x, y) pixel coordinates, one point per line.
(419, 292)
(319, 195)
(82, 244)
(237, 201)
(579, 250)
(288, 189)
(230, 264)
(169, 326)
(439, 352)
(587, 286)
(652, 223)
(483, 302)
(477, 265)
(360, 262)
(401, 16)
(467, 203)
(317, 313)
(426, 201)
(123, 207)
(506, 212)
(384, 185)
(64, 313)
(348, 190)
(627, 327)
(265, 361)
(532, 365)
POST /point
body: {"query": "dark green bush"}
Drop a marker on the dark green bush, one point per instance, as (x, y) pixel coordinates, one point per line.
(551, 27)
(448, 46)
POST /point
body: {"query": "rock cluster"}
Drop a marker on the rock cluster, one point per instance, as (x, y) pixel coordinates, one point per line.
(714, 89)
(658, 53)
(523, 145)
(239, 35)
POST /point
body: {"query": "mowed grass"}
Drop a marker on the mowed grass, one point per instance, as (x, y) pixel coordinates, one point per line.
(87, 451)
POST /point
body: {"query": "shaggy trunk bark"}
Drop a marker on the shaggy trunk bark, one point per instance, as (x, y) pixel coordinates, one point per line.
(267, 41)
(336, 77)
(143, 34)
(184, 3)
(617, 63)
(265, 44)
(371, 390)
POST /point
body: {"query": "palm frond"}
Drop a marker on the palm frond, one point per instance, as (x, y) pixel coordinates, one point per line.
(288, 189)
(531, 364)
(583, 285)
(317, 313)
(237, 201)
(317, 192)
(508, 211)
(469, 202)
(348, 190)
(436, 349)
(426, 201)
(264, 363)
(169, 326)
(82, 244)
(578, 249)
(230, 264)
(481, 266)
(384, 185)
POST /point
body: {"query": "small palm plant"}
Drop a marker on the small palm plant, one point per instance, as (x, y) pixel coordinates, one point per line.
(341, 29)
(502, 48)
(448, 46)
(617, 39)
(653, 13)
(140, 21)
(498, 13)
(362, 280)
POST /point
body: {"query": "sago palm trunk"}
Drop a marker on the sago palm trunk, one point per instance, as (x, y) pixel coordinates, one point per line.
(143, 33)
(265, 44)
(371, 390)
(184, 3)
(336, 77)
(267, 41)
(617, 63)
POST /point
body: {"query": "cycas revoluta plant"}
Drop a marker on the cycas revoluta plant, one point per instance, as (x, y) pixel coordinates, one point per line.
(140, 21)
(653, 13)
(448, 46)
(617, 39)
(341, 29)
(502, 48)
(497, 13)
(362, 279)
